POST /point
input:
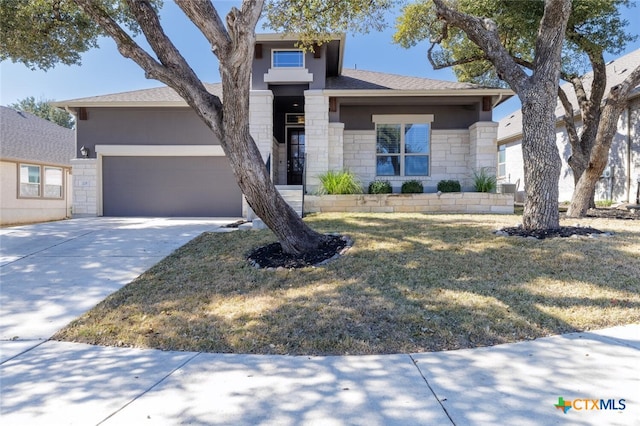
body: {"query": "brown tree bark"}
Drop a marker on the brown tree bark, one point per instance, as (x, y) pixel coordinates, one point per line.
(590, 108)
(229, 121)
(538, 96)
(614, 105)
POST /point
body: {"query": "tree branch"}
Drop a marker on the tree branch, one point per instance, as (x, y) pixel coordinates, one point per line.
(438, 66)
(162, 46)
(205, 16)
(483, 32)
(550, 39)
(569, 121)
(125, 44)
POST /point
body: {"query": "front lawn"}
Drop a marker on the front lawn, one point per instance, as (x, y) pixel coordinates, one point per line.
(411, 282)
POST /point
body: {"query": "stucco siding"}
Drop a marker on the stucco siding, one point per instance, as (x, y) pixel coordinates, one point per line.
(358, 117)
(142, 126)
(316, 66)
(15, 210)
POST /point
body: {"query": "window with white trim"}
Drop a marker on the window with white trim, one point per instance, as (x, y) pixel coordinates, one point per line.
(40, 181)
(403, 144)
(288, 58)
(502, 161)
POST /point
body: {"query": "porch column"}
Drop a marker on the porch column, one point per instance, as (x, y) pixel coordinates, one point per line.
(316, 128)
(261, 120)
(336, 146)
(483, 146)
(84, 175)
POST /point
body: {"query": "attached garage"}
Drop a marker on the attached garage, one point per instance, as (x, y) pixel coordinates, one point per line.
(169, 186)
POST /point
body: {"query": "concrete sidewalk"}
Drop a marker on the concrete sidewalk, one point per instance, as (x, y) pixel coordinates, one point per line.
(51, 383)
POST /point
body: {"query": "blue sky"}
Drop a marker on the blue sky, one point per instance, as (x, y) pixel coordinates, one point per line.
(104, 71)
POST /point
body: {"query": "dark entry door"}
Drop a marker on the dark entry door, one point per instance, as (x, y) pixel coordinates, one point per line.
(295, 155)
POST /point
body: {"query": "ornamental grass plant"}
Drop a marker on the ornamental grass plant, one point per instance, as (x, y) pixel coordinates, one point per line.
(339, 182)
(484, 181)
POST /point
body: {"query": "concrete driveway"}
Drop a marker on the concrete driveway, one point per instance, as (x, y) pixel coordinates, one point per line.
(50, 273)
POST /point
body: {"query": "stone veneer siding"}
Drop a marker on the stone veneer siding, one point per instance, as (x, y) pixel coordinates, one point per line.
(85, 186)
(450, 157)
(483, 146)
(316, 133)
(459, 202)
(261, 120)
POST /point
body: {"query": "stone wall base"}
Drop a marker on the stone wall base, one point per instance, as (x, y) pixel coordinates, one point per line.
(458, 202)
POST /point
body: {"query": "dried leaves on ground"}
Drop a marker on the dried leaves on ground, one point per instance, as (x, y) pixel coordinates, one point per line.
(411, 282)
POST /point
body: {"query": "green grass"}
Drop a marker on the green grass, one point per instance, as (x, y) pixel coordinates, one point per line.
(411, 282)
(604, 203)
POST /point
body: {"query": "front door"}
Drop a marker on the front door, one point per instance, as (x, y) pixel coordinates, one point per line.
(295, 155)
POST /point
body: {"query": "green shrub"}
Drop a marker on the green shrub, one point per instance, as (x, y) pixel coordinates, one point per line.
(380, 187)
(339, 182)
(449, 186)
(483, 181)
(412, 187)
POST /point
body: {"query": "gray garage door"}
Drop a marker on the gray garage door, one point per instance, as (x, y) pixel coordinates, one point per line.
(169, 186)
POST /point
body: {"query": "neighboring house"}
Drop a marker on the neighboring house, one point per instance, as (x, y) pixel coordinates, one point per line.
(619, 181)
(35, 167)
(149, 154)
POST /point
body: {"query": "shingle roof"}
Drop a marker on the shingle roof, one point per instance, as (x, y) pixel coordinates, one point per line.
(26, 137)
(156, 95)
(617, 71)
(351, 79)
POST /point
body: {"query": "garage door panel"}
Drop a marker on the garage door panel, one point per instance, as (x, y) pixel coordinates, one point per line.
(169, 186)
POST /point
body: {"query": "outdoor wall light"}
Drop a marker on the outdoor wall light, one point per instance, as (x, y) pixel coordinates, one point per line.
(84, 151)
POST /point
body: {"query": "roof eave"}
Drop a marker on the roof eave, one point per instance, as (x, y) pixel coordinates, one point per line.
(118, 104)
(505, 93)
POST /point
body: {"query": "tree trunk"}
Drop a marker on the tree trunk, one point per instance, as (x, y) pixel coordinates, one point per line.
(541, 160)
(252, 176)
(538, 95)
(579, 162)
(616, 103)
(229, 121)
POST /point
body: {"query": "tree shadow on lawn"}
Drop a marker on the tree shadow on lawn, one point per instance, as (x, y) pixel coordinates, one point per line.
(419, 287)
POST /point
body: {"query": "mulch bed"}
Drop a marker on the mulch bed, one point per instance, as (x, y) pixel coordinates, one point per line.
(615, 213)
(569, 231)
(541, 234)
(272, 256)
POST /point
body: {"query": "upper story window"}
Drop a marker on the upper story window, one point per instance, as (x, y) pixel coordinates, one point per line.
(287, 58)
(403, 144)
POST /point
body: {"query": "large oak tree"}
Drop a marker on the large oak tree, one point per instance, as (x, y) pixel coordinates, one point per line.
(594, 27)
(537, 91)
(45, 32)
